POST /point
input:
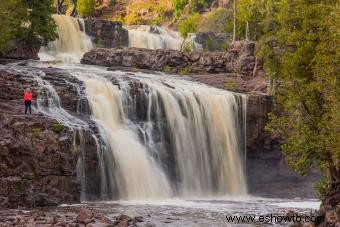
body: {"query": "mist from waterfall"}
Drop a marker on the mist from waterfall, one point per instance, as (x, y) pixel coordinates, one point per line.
(71, 44)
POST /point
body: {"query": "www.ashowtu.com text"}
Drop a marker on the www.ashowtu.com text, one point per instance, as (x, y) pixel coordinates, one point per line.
(273, 218)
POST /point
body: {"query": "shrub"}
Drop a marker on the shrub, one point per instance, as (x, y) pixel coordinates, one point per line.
(188, 25)
(58, 128)
(185, 70)
(321, 187)
(86, 8)
(178, 6)
(198, 5)
(217, 20)
(147, 11)
(230, 85)
(34, 130)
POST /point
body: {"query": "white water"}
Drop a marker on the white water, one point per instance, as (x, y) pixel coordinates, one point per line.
(71, 44)
(171, 138)
(138, 174)
(153, 37)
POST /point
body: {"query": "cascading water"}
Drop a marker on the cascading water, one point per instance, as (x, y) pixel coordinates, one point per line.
(153, 37)
(162, 136)
(167, 137)
(71, 44)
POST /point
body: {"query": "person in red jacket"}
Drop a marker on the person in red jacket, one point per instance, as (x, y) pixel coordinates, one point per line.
(28, 100)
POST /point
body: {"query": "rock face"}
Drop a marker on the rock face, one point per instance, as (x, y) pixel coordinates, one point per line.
(20, 50)
(211, 41)
(37, 162)
(239, 59)
(106, 33)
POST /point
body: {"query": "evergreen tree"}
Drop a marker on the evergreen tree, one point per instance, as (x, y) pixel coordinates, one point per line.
(26, 20)
(39, 26)
(301, 56)
(11, 14)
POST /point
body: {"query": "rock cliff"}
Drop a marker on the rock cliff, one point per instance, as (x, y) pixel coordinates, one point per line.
(239, 59)
(106, 33)
(38, 161)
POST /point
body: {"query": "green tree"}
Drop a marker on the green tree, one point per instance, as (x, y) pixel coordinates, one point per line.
(11, 12)
(217, 20)
(302, 58)
(188, 25)
(86, 8)
(28, 21)
(38, 27)
(257, 15)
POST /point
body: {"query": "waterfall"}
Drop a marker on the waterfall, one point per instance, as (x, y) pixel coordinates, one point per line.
(167, 137)
(71, 44)
(153, 37)
(136, 173)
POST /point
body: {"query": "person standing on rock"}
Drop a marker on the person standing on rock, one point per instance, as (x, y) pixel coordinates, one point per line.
(28, 100)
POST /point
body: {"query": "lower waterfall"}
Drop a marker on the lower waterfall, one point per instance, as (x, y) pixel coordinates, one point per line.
(166, 137)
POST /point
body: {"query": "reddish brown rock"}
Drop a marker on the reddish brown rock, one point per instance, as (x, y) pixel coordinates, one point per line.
(84, 216)
(239, 59)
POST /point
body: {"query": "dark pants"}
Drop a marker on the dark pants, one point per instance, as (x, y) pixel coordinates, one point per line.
(28, 106)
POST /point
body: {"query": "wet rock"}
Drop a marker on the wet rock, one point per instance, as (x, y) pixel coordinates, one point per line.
(37, 165)
(139, 219)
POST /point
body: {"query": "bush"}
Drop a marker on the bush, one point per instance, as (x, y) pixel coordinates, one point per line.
(86, 8)
(34, 130)
(188, 25)
(230, 85)
(150, 12)
(198, 5)
(178, 6)
(58, 128)
(217, 20)
(321, 187)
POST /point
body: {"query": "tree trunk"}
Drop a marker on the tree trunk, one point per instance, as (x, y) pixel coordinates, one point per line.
(234, 29)
(59, 6)
(247, 31)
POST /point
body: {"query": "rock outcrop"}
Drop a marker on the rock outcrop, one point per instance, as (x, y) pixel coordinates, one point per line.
(211, 41)
(38, 161)
(106, 33)
(239, 59)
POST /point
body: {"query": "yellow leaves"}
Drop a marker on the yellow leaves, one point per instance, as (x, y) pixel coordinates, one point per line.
(147, 11)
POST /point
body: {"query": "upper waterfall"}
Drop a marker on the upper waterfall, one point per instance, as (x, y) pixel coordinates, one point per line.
(71, 44)
(153, 37)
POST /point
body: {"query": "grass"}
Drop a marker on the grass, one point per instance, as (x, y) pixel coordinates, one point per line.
(58, 128)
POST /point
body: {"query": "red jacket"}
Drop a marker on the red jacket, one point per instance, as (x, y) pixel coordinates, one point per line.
(28, 96)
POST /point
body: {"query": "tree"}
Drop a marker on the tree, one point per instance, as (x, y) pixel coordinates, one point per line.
(188, 25)
(234, 26)
(86, 8)
(39, 26)
(28, 21)
(11, 12)
(302, 58)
